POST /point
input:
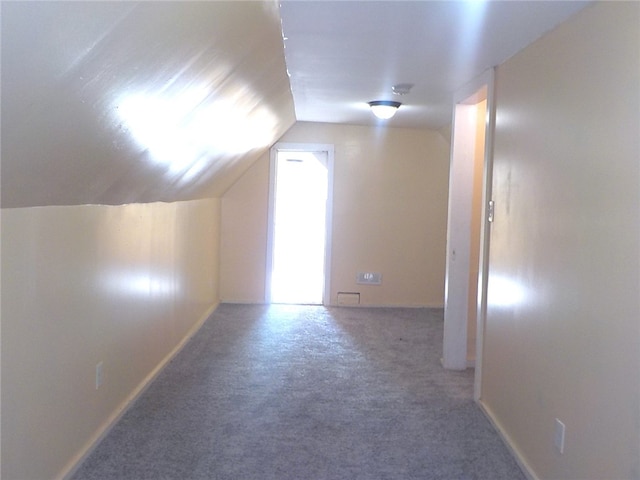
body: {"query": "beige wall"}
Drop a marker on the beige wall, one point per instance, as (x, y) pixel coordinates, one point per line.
(243, 242)
(389, 216)
(86, 284)
(562, 337)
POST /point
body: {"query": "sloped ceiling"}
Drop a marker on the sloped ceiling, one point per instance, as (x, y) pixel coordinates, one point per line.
(120, 102)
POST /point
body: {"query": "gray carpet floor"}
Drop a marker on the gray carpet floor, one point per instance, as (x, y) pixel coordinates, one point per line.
(306, 392)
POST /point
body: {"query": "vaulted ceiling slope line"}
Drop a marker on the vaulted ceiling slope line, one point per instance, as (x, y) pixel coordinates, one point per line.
(121, 102)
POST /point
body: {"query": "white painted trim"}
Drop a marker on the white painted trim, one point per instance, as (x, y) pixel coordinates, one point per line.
(488, 79)
(273, 156)
(506, 439)
(301, 147)
(326, 300)
(456, 318)
(463, 137)
(390, 305)
(376, 305)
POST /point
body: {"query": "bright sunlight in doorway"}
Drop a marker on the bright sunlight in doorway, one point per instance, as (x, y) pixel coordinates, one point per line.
(300, 186)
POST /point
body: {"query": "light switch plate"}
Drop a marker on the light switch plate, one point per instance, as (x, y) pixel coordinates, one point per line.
(369, 278)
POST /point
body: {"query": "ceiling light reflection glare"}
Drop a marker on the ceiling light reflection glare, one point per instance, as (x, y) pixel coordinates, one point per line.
(505, 292)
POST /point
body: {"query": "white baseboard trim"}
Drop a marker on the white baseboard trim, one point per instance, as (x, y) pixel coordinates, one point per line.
(365, 305)
(75, 462)
(243, 302)
(438, 306)
(522, 463)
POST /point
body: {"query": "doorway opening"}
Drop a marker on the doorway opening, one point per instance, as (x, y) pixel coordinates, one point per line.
(299, 230)
(468, 226)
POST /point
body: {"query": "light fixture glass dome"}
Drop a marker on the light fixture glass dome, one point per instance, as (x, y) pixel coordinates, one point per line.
(384, 109)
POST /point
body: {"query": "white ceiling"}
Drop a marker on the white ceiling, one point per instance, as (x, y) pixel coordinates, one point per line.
(342, 54)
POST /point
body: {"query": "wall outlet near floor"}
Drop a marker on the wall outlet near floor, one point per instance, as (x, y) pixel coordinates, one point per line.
(98, 375)
(558, 439)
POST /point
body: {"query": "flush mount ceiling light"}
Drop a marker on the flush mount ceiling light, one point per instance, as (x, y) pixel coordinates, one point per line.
(384, 109)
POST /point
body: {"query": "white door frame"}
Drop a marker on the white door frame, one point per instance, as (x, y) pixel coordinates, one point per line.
(455, 341)
(485, 230)
(300, 147)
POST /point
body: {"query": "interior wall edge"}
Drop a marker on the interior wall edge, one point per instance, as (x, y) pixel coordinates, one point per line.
(507, 441)
(121, 409)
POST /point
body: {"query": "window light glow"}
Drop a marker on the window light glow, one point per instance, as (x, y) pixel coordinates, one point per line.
(183, 129)
(299, 236)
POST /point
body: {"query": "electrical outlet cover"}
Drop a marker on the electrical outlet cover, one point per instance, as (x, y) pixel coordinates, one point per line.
(98, 375)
